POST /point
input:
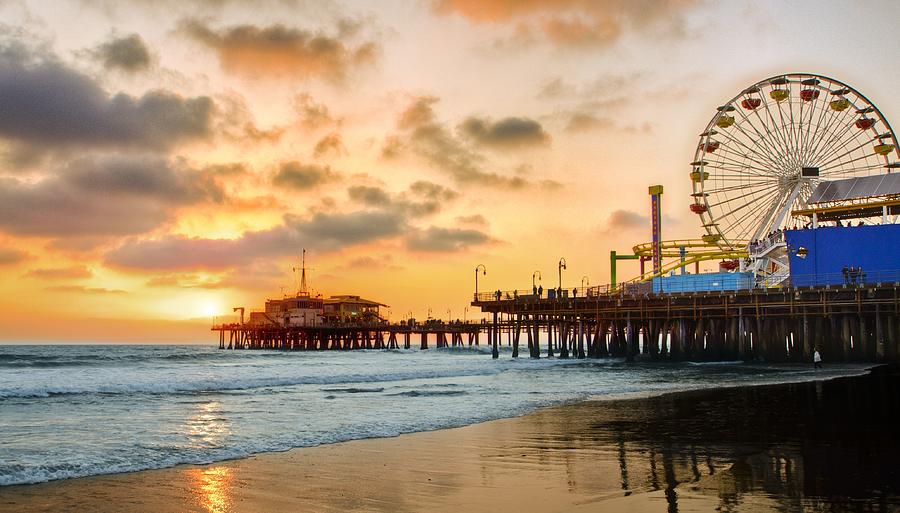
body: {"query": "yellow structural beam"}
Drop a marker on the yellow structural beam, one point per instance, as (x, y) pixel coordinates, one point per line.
(695, 251)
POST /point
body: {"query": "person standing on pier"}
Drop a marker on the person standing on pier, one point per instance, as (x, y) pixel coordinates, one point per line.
(817, 359)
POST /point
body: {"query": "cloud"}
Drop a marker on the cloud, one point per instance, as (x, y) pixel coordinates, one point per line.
(184, 281)
(83, 290)
(126, 53)
(576, 23)
(324, 232)
(236, 122)
(432, 191)
(372, 263)
(299, 176)
(475, 219)
(432, 141)
(369, 196)
(56, 273)
(12, 256)
(584, 122)
(627, 219)
(436, 239)
(331, 144)
(46, 104)
(103, 196)
(511, 132)
(281, 51)
(382, 216)
(312, 114)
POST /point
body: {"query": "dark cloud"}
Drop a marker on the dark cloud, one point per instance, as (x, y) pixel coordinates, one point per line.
(56, 273)
(577, 23)
(278, 50)
(312, 114)
(584, 122)
(322, 232)
(511, 132)
(383, 216)
(12, 256)
(302, 176)
(126, 53)
(236, 122)
(432, 191)
(435, 239)
(369, 196)
(44, 103)
(432, 141)
(332, 144)
(103, 196)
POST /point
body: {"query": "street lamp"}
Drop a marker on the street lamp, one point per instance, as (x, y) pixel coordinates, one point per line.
(449, 316)
(465, 311)
(562, 265)
(483, 271)
(429, 314)
(585, 282)
(539, 277)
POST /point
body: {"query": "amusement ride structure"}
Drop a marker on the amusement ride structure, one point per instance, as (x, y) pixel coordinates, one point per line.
(764, 162)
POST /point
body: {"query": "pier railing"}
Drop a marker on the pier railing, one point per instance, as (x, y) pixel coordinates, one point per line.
(853, 277)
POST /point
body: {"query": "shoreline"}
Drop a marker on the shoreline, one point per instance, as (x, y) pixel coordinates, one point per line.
(437, 469)
(845, 371)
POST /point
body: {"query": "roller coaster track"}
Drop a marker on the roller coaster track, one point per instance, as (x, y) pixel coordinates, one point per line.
(696, 250)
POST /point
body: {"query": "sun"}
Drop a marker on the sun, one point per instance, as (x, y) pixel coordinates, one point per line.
(210, 309)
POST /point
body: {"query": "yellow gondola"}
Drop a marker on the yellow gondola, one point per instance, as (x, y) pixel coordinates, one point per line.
(711, 238)
(779, 95)
(699, 176)
(884, 149)
(839, 105)
(725, 121)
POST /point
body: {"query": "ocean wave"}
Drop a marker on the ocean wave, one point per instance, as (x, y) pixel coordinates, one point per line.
(227, 384)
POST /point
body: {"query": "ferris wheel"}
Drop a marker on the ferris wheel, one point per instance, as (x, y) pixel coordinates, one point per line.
(766, 149)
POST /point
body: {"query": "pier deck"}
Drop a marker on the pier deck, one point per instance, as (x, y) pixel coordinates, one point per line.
(850, 322)
(345, 337)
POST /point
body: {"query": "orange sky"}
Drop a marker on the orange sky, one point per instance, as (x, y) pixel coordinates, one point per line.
(163, 162)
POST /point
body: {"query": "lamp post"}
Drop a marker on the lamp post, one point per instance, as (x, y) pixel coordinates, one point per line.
(585, 282)
(449, 316)
(539, 277)
(562, 265)
(465, 311)
(483, 271)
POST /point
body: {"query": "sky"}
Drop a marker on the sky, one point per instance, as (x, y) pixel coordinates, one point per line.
(162, 162)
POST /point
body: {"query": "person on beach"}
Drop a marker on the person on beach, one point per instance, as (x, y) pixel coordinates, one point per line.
(817, 359)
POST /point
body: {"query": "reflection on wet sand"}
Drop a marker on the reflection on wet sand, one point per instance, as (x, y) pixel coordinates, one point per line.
(212, 487)
(815, 447)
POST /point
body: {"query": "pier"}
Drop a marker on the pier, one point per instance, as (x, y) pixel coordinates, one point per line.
(848, 322)
(350, 336)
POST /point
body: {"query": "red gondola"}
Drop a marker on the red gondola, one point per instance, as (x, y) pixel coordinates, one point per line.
(698, 208)
(865, 123)
(751, 103)
(809, 95)
(728, 265)
(709, 147)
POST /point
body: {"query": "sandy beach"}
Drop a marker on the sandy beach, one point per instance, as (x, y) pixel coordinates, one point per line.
(818, 446)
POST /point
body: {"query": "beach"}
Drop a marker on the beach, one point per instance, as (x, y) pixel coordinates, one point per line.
(812, 446)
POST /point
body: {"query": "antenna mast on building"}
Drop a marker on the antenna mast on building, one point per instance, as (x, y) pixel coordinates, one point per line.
(303, 290)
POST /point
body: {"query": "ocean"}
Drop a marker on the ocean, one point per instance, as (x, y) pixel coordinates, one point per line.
(79, 410)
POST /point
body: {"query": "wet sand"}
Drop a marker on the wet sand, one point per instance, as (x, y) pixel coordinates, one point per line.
(821, 446)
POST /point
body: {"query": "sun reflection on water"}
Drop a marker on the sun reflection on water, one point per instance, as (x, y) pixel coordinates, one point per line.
(212, 488)
(207, 427)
